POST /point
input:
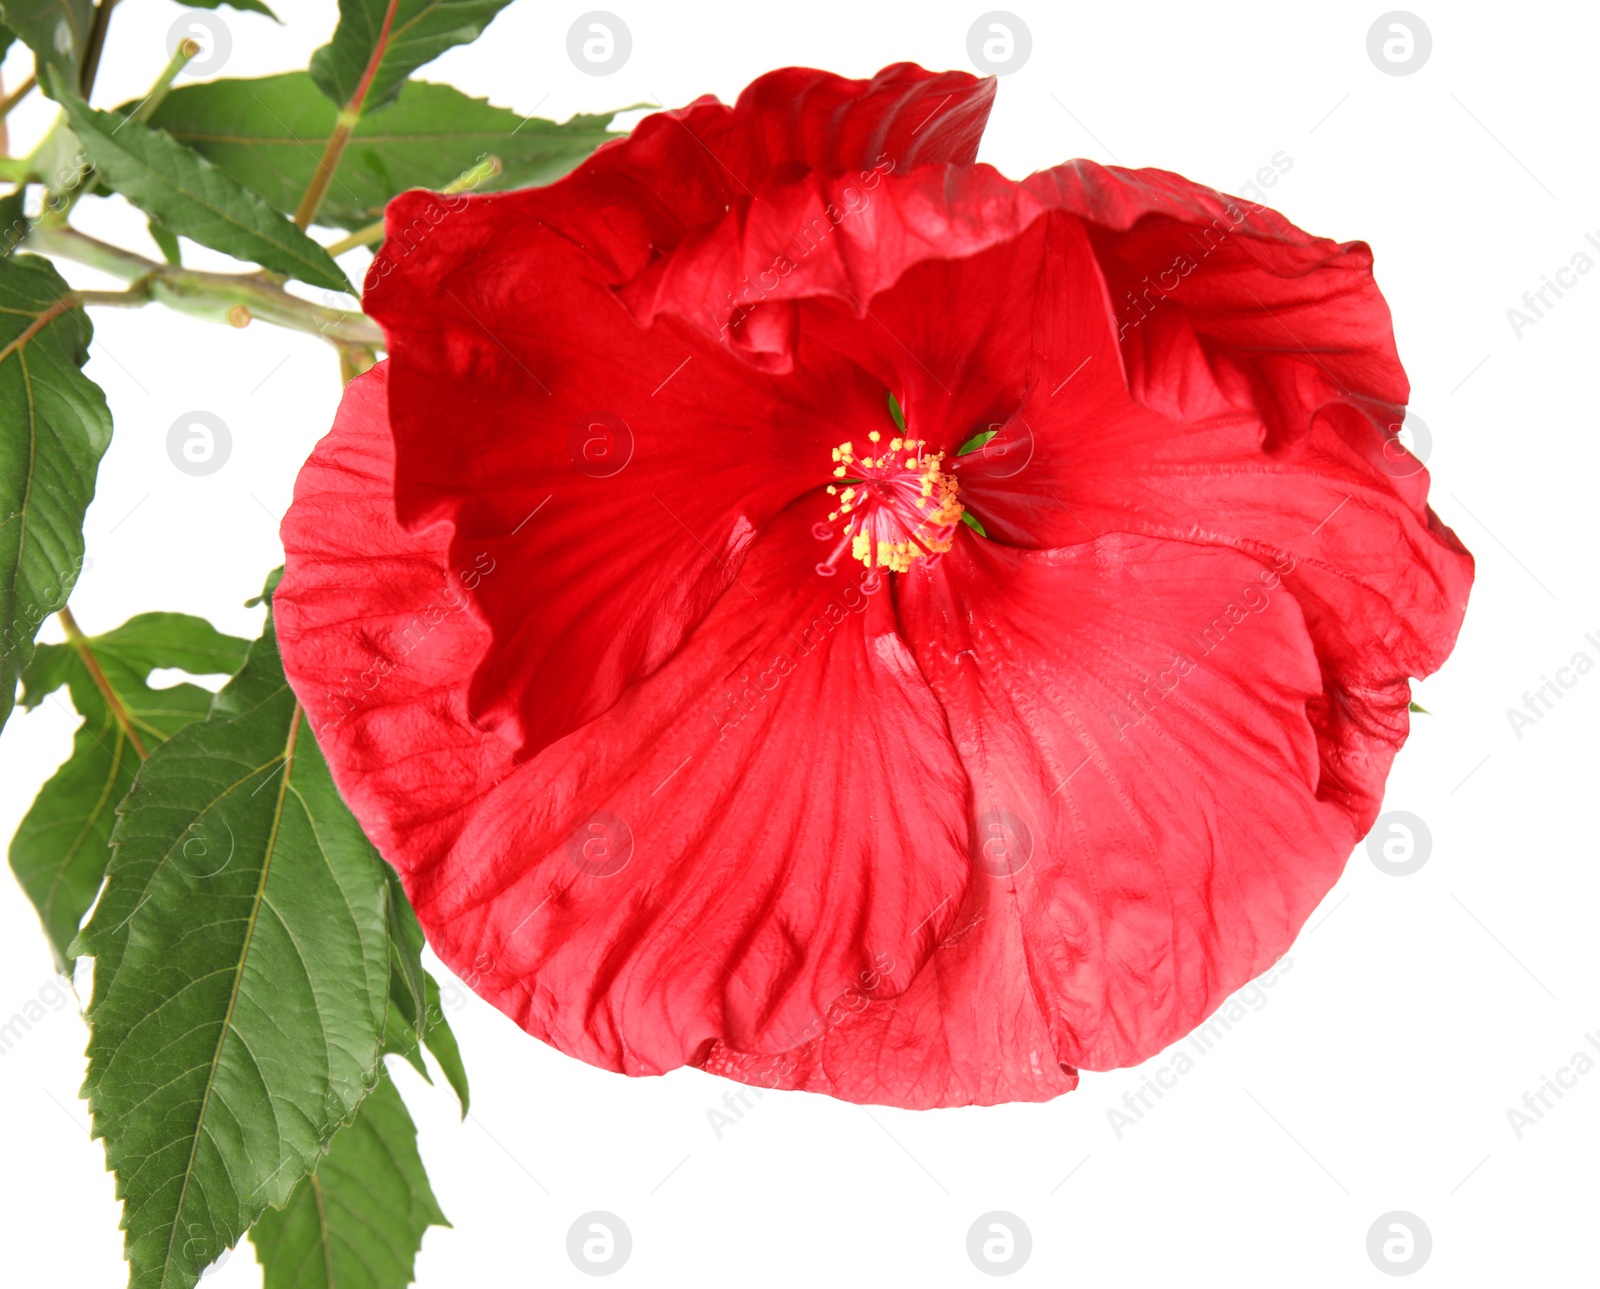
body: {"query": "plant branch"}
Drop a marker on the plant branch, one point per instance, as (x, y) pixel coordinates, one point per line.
(354, 360)
(17, 95)
(186, 50)
(96, 43)
(80, 645)
(216, 297)
(343, 126)
(368, 236)
(372, 234)
(137, 294)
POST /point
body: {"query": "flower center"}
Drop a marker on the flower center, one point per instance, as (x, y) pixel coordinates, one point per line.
(897, 506)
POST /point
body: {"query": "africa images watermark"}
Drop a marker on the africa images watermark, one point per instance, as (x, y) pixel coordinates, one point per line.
(782, 1066)
(400, 240)
(807, 240)
(343, 703)
(1538, 1103)
(1539, 703)
(58, 198)
(1207, 239)
(1253, 598)
(1156, 1083)
(1537, 303)
(752, 689)
(736, 1102)
(45, 600)
(52, 996)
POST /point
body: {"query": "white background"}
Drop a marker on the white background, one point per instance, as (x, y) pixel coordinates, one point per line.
(1418, 1009)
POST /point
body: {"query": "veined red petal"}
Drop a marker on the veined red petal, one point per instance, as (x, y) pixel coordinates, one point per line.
(1223, 304)
(1152, 823)
(662, 879)
(838, 237)
(618, 474)
(637, 198)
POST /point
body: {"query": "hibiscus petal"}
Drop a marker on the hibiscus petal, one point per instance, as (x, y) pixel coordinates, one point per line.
(995, 339)
(636, 198)
(1280, 320)
(536, 416)
(618, 473)
(1262, 398)
(1152, 823)
(823, 235)
(663, 878)
(840, 237)
(1152, 434)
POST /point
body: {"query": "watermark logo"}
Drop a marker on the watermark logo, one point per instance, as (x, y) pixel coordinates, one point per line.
(1002, 843)
(600, 445)
(1407, 446)
(1398, 43)
(602, 846)
(207, 30)
(598, 43)
(1399, 843)
(999, 1243)
(599, 1243)
(199, 443)
(999, 43)
(1399, 1243)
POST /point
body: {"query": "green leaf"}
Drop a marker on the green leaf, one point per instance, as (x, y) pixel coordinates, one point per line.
(194, 198)
(54, 428)
(976, 442)
(244, 6)
(972, 522)
(420, 32)
(441, 1041)
(13, 223)
(167, 240)
(358, 1221)
(405, 950)
(416, 1015)
(241, 976)
(267, 134)
(1418, 707)
(408, 998)
(895, 411)
(400, 1037)
(56, 30)
(61, 848)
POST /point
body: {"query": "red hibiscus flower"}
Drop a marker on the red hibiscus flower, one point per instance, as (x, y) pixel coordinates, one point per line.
(798, 603)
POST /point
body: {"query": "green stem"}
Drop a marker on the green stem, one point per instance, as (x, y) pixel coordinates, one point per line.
(96, 43)
(231, 298)
(485, 170)
(368, 236)
(136, 295)
(80, 645)
(343, 126)
(17, 95)
(186, 50)
(354, 360)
